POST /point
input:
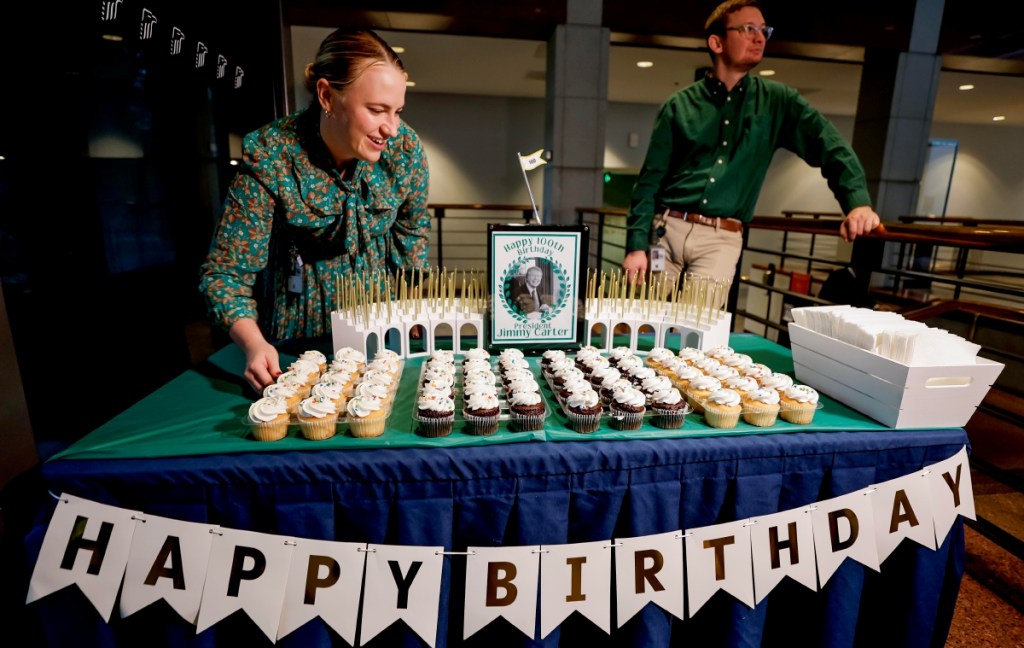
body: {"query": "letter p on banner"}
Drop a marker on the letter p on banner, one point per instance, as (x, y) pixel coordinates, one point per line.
(86, 544)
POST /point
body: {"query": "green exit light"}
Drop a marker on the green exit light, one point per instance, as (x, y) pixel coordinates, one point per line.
(607, 178)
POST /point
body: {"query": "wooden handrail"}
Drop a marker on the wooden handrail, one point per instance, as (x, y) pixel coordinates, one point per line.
(480, 207)
(1007, 238)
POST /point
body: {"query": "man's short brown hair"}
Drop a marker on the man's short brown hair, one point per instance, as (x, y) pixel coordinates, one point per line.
(715, 23)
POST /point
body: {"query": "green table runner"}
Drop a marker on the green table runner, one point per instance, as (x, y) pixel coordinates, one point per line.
(202, 412)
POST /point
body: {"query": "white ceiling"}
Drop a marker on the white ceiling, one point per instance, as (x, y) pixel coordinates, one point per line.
(516, 68)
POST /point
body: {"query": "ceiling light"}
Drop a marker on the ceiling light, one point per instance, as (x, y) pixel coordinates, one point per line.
(399, 49)
(645, 64)
(410, 84)
(112, 37)
(234, 162)
(967, 86)
(767, 72)
(999, 118)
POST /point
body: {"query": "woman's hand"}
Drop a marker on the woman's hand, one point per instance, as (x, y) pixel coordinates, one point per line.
(262, 363)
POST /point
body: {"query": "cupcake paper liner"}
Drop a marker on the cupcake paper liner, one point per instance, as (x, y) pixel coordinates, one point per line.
(760, 415)
(270, 431)
(480, 425)
(626, 420)
(434, 427)
(365, 428)
(584, 423)
(669, 419)
(319, 429)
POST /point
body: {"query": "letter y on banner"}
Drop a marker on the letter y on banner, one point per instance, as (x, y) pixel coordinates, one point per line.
(247, 571)
(402, 583)
(86, 544)
(952, 492)
(501, 582)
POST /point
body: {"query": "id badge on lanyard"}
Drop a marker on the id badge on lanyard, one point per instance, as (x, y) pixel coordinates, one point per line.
(295, 279)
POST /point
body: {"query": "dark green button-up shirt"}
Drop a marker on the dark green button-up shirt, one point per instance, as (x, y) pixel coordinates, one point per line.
(710, 150)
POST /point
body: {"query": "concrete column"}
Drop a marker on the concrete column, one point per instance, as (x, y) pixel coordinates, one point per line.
(575, 112)
(894, 113)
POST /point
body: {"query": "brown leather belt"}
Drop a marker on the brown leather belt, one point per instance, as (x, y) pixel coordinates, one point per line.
(728, 224)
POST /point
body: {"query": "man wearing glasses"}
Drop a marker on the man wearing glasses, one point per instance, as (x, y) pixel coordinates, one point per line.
(710, 149)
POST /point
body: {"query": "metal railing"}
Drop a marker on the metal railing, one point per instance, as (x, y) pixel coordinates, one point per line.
(456, 237)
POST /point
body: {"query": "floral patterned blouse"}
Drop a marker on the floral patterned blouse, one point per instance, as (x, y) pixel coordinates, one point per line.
(289, 207)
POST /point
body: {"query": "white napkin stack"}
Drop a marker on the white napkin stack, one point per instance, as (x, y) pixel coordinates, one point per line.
(890, 335)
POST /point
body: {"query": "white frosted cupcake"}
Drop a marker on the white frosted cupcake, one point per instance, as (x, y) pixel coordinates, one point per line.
(478, 354)
(289, 392)
(669, 407)
(334, 391)
(738, 360)
(761, 406)
(657, 355)
(348, 353)
(481, 412)
(583, 407)
(269, 419)
(435, 415)
(527, 409)
(316, 357)
(742, 384)
(723, 372)
(307, 369)
(722, 408)
(318, 418)
(777, 381)
(366, 416)
(690, 355)
(798, 404)
(699, 389)
(628, 406)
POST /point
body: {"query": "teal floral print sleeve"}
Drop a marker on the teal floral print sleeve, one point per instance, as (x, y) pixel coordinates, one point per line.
(289, 208)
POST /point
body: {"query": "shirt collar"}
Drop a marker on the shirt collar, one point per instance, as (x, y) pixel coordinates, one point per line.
(717, 89)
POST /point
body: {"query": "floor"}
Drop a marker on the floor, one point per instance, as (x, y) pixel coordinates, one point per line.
(990, 608)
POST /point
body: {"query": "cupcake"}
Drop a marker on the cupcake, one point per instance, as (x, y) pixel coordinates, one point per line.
(777, 381)
(373, 390)
(655, 383)
(637, 375)
(345, 366)
(550, 356)
(269, 419)
(723, 372)
(756, 370)
(720, 352)
(657, 355)
(481, 413)
(318, 418)
(348, 353)
(628, 362)
(738, 360)
(618, 353)
(683, 377)
(316, 357)
(333, 391)
(590, 365)
(561, 365)
(722, 408)
(699, 389)
(297, 380)
(669, 408)
(608, 389)
(435, 415)
(599, 375)
(798, 404)
(742, 384)
(585, 354)
(527, 409)
(307, 369)
(522, 384)
(510, 353)
(584, 409)
(707, 365)
(478, 354)
(628, 407)
(761, 406)
(690, 355)
(289, 392)
(573, 387)
(569, 374)
(366, 416)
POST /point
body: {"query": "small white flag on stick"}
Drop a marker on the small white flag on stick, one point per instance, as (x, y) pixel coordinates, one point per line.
(528, 163)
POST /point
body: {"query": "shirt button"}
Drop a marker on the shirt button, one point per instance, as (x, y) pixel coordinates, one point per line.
(712, 181)
(719, 160)
(725, 143)
(705, 201)
(728, 98)
(726, 122)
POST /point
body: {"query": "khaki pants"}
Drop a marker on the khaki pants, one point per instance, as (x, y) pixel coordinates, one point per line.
(700, 249)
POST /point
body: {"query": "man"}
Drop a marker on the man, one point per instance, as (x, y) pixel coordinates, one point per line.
(710, 150)
(529, 295)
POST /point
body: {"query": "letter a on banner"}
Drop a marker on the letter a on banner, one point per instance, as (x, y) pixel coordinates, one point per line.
(402, 583)
(86, 544)
(575, 578)
(844, 526)
(501, 582)
(649, 569)
(952, 492)
(903, 509)
(324, 581)
(782, 544)
(718, 557)
(247, 571)
(168, 561)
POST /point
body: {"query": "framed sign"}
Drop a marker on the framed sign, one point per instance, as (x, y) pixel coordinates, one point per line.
(535, 276)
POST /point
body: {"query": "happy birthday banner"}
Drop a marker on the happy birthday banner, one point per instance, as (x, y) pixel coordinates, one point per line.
(206, 572)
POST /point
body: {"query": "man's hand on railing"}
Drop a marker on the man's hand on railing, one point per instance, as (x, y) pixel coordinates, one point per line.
(635, 264)
(860, 220)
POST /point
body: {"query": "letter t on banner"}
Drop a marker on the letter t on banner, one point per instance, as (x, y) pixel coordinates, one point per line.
(86, 544)
(718, 557)
(501, 582)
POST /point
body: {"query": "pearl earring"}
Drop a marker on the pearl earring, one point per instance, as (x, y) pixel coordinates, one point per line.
(328, 114)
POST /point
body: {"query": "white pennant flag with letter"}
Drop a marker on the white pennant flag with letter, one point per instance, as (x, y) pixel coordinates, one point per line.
(649, 569)
(168, 561)
(501, 582)
(533, 160)
(718, 558)
(402, 583)
(325, 580)
(903, 509)
(575, 578)
(247, 571)
(86, 544)
(844, 527)
(782, 544)
(952, 492)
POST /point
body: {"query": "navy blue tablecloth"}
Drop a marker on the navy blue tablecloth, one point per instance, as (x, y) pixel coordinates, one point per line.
(539, 493)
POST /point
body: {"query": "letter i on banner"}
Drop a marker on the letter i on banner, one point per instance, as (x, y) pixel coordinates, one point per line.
(952, 492)
(718, 557)
(324, 581)
(782, 544)
(86, 544)
(649, 569)
(575, 578)
(903, 509)
(844, 527)
(247, 571)
(501, 582)
(168, 561)
(402, 583)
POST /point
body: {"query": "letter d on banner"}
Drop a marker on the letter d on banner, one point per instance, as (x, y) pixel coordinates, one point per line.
(86, 544)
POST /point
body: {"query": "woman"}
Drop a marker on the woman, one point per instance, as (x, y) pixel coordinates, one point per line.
(324, 195)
